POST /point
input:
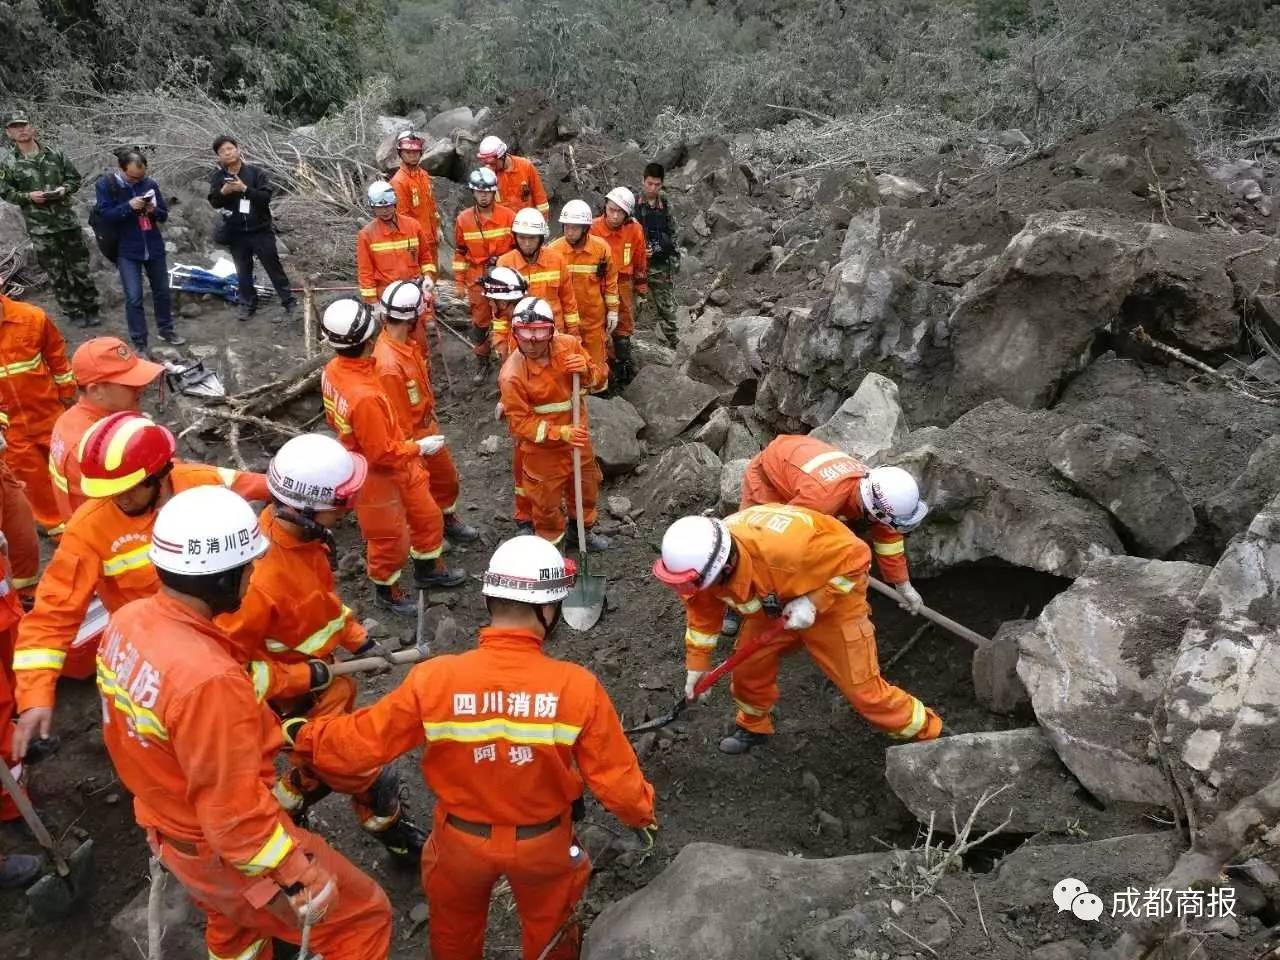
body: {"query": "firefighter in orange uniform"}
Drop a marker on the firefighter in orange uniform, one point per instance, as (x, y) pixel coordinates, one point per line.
(10, 614)
(36, 385)
(18, 525)
(780, 561)
(391, 246)
(545, 271)
(505, 288)
(412, 184)
(509, 737)
(128, 473)
(402, 365)
(536, 385)
(481, 234)
(112, 379)
(626, 239)
(595, 283)
(807, 472)
(398, 517)
(519, 185)
(195, 747)
(291, 621)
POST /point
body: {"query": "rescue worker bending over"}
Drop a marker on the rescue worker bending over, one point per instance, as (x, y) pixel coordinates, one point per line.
(626, 239)
(519, 185)
(128, 472)
(291, 621)
(481, 234)
(16, 869)
(195, 747)
(536, 385)
(509, 736)
(883, 502)
(546, 273)
(397, 516)
(779, 561)
(595, 283)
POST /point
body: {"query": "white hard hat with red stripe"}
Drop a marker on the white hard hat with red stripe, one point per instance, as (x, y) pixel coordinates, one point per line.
(530, 570)
(891, 495)
(491, 148)
(694, 553)
(531, 223)
(205, 530)
(316, 472)
(576, 212)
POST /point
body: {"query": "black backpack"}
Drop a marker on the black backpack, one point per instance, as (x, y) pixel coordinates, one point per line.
(106, 233)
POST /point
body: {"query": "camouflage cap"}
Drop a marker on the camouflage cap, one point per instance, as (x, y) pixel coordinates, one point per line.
(16, 118)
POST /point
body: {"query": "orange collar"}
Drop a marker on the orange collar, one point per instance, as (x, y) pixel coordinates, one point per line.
(509, 638)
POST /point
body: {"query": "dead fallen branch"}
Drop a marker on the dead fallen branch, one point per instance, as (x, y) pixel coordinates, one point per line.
(1231, 383)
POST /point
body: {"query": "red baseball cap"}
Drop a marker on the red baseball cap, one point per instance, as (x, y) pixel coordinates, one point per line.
(111, 360)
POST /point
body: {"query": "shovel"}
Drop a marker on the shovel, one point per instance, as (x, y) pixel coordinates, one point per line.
(584, 604)
(709, 680)
(53, 897)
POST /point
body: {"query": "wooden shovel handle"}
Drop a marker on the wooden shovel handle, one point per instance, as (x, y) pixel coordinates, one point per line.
(946, 623)
(23, 803)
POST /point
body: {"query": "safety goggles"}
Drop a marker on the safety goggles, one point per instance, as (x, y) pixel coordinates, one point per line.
(533, 332)
(683, 584)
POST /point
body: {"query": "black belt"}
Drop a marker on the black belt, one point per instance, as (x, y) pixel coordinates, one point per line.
(182, 846)
(523, 832)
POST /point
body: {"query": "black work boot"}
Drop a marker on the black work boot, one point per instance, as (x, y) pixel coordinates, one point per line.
(524, 528)
(18, 870)
(403, 838)
(393, 597)
(455, 531)
(732, 621)
(433, 574)
(596, 542)
(741, 741)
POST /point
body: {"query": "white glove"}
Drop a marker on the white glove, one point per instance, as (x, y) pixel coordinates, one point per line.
(691, 679)
(799, 614)
(909, 598)
(611, 321)
(4, 444)
(432, 444)
(499, 411)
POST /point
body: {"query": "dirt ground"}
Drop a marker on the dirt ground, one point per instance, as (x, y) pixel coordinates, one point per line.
(754, 801)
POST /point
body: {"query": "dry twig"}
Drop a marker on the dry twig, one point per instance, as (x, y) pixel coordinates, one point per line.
(911, 642)
(155, 908)
(911, 938)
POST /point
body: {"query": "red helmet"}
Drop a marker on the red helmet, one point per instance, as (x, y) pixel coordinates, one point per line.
(121, 451)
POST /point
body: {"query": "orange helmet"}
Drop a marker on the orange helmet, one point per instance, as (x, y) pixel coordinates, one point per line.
(121, 451)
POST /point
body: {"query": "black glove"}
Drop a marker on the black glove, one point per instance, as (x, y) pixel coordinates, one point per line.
(477, 335)
(290, 729)
(320, 675)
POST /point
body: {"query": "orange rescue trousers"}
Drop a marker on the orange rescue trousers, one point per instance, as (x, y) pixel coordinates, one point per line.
(547, 873)
(547, 481)
(19, 527)
(626, 308)
(244, 916)
(399, 519)
(8, 713)
(28, 458)
(481, 318)
(843, 644)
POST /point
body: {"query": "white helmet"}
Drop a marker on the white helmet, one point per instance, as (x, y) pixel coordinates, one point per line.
(348, 322)
(503, 283)
(491, 148)
(694, 552)
(576, 211)
(381, 194)
(205, 530)
(533, 310)
(531, 223)
(890, 495)
(623, 198)
(530, 570)
(315, 472)
(483, 180)
(403, 300)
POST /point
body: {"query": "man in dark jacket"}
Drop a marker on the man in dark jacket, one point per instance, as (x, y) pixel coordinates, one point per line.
(41, 181)
(133, 203)
(653, 211)
(242, 193)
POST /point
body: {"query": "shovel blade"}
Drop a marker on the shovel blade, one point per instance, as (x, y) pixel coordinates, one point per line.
(53, 898)
(581, 609)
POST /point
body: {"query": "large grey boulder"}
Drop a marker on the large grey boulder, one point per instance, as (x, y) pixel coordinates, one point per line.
(731, 477)
(1222, 704)
(685, 480)
(443, 124)
(1232, 510)
(668, 401)
(996, 684)
(746, 333)
(614, 428)
(181, 924)
(948, 245)
(868, 422)
(937, 779)
(720, 903)
(712, 356)
(992, 493)
(1095, 667)
(1126, 478)
(729, 214)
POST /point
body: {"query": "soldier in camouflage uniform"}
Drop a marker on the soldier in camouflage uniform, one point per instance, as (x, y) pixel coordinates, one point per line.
(41, 182)
(653, 211)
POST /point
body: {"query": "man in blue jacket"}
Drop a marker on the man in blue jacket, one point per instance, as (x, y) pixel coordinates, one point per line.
(132, 203)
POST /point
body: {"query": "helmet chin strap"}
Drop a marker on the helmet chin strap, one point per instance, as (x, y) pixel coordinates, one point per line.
(311, 530)
(547, 628)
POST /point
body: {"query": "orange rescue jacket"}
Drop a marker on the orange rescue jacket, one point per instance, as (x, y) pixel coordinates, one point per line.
(537, 396)
(479, 240)
(594, 275)
(510, 735)
(189, 740)
(357, 407)
(783, 551)
(291, 614)
(105, 552)
(416, 199)
(549, 278)
(64, 450)
(35, 377)
(807, 472)
(396, 250)
(407, 380)
(519, 186)
(629, 251)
